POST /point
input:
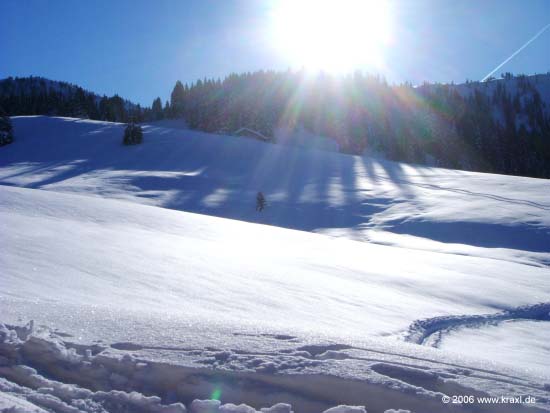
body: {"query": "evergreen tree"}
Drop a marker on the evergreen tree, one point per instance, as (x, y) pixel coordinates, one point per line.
(177, 100)
(156, 109)
(133, 134)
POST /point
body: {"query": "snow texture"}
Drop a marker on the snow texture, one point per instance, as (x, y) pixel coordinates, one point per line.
(400, 286)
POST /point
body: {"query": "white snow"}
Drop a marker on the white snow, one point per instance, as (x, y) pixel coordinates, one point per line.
(346, 409)
(129, 255)
(520, 343)
(74, 249)
(306, 189)
(10, 403)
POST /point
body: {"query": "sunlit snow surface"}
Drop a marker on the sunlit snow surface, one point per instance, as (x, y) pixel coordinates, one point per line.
(406, 255)
(517, 343)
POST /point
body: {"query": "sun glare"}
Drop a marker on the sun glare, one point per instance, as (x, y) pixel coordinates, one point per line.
(331, 35)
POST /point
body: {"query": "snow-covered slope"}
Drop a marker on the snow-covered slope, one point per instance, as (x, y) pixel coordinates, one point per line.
(159, 296)
(305, 189)
(199, 266)
(193, 290)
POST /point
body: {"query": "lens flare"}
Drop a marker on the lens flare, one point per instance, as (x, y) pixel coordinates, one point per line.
(216, 394)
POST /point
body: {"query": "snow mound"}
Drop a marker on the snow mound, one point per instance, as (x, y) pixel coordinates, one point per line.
(346, 409)
(23, 389)
(41, 372)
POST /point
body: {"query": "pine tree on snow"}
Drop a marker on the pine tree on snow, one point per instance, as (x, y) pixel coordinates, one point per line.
(157, 109)
(177, 100)
(133, 134)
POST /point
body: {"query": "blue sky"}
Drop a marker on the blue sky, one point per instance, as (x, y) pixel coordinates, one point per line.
(139, 48)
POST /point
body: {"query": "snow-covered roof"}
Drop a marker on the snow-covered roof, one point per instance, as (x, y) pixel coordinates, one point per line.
(251, 133)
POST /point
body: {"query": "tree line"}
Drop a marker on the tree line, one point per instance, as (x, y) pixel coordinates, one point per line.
(500, 126)
(40, 96)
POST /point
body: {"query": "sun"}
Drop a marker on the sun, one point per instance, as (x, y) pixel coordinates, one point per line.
(331, 35)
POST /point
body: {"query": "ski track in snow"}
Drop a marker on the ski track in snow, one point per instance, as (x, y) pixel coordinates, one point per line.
(430, 331)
